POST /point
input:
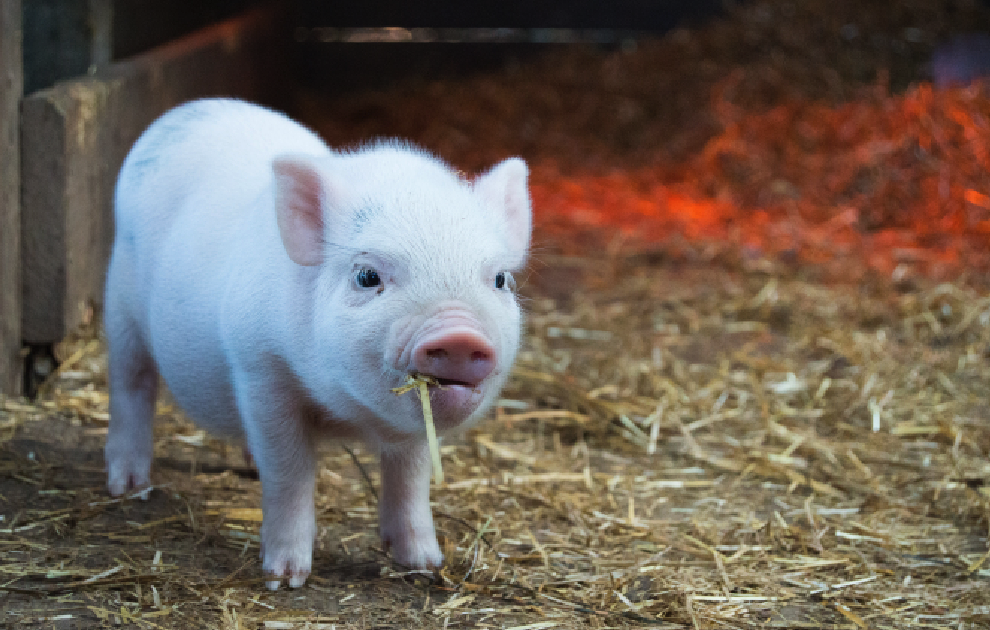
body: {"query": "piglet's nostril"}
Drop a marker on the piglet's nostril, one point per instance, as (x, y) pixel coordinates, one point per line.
(480, 355)
(437, 353)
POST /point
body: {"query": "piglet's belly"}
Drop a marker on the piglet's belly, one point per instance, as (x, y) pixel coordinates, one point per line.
(196, 373)
(209, 402)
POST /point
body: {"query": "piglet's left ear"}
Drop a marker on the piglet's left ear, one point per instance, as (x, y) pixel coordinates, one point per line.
(504, 189)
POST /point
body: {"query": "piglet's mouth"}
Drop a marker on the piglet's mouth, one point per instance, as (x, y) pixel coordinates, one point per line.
(452, 400)
(436, 383)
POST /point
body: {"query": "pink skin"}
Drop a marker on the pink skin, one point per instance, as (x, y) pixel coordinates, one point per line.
(404, 516)
(228, 281)
(457, 354)
(452, 347)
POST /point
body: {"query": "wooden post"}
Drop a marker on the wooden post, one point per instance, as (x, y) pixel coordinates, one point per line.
(11, 88)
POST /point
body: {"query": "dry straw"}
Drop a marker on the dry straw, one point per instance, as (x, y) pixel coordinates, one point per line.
(747, 450)
(421, 383)
(702, 436)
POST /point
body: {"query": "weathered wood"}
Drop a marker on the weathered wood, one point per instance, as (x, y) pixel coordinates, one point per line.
(11, 85)
(77, 134)
(140, 25)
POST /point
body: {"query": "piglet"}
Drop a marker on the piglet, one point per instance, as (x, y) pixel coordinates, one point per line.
(281, 290)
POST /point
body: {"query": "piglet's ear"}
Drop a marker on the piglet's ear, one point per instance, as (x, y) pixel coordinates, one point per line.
(504, 189)
(299, 197)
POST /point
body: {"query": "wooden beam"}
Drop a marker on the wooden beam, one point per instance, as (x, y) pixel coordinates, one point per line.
(77, 134)
(11, 87)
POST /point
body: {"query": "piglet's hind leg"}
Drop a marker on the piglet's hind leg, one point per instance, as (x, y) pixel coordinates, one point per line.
(133, 391)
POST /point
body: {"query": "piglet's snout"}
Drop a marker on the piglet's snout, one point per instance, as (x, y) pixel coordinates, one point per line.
(459, 355)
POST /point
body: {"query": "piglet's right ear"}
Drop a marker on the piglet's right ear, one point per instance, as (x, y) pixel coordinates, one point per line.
(300, 193)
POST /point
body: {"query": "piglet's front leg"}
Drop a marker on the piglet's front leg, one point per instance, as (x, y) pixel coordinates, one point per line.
(404, 515)
(281, 442)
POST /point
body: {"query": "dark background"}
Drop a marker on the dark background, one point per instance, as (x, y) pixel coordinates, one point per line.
(56, 33)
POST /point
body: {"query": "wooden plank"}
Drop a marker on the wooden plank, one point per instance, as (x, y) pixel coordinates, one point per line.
(11, 86)
(139, 25)
(77, 135)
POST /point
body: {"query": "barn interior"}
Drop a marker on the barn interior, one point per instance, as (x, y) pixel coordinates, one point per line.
(752, 389)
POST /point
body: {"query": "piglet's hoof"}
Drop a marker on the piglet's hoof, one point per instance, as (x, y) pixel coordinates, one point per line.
(294, 564)
(414, 551)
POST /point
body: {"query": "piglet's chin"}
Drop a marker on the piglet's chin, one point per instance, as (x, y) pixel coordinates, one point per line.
(453, 404)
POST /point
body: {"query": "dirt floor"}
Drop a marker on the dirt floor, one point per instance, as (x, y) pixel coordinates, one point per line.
(748, 397)
(681, 446)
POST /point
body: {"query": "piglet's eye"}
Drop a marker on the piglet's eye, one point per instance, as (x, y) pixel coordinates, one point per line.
(367, 278)
(504, 280)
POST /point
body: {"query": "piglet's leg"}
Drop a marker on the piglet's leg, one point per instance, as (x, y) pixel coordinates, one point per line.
(133, 390)
(404, 510)
(281, 442)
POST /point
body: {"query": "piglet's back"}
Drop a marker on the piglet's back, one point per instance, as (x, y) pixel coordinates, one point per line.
(219, 149)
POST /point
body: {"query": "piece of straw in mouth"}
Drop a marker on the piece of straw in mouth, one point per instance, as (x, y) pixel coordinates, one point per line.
(423, 383)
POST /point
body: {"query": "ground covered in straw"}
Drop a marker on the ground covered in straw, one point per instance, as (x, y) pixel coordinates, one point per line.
(752, 393)
(680, 447)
